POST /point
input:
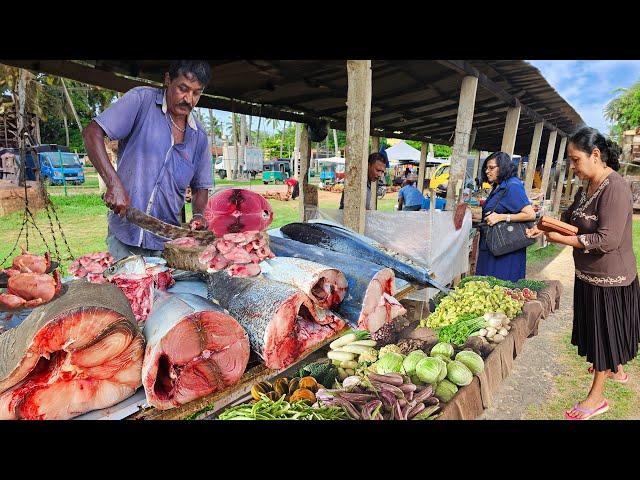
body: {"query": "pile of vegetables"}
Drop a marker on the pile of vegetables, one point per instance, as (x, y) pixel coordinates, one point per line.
(457, 333)
(535, 285)
(352, 350)
(294, 390)
(474, 298)
(522, 295)
(497, 327)
(281, 409)
(388, 396)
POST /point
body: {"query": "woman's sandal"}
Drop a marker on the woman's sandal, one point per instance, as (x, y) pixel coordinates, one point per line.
(604, 406)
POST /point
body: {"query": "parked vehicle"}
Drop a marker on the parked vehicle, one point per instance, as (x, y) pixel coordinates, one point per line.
(57, 165)
(276, 170)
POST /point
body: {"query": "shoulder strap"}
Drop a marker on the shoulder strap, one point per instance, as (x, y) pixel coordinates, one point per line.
(504, 192)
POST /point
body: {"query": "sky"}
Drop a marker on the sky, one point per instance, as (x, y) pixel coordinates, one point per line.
(587, 85)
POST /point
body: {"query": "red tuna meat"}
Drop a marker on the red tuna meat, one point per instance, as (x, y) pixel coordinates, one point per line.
(237, 210)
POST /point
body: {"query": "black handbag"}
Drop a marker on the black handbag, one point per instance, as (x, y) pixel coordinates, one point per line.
(503, 237)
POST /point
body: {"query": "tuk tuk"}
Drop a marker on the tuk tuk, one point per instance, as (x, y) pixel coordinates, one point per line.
(331, 170)
(276, 170)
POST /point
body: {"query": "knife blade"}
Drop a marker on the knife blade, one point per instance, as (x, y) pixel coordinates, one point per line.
(163, 229)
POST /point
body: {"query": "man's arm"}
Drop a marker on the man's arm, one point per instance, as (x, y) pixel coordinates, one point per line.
(199, 199)
(116, 197)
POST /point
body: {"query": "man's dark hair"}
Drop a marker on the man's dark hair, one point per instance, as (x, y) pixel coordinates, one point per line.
(198, 68)
(376, 157)
(506, 166)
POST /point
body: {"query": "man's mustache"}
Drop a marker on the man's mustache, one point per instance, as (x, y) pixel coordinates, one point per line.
(187, 105)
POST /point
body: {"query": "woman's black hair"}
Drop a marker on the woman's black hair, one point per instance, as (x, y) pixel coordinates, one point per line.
(506, 166)
(198, 68)
(586, 139)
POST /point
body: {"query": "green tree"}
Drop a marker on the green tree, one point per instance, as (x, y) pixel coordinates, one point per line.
(624, 111)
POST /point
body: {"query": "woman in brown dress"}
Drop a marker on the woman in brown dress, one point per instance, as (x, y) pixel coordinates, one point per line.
(606, 298)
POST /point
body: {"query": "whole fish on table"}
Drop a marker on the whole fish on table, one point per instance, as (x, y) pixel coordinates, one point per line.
(342, 241)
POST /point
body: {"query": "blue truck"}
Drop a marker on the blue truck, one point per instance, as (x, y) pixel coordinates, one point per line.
(57, 165)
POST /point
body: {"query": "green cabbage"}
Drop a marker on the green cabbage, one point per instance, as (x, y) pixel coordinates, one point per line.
(412, 360)
(446, 390)
(415, 379)
(472, 360)
(444, 349)
(459, 374)
(428, 369)
(443, 368)
(390, 363)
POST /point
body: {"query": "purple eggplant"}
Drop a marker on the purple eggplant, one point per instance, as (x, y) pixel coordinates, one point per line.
(397, 412)
(407, 387)
(423, 394)
(409, 396)
(406, 409)
(368, 409)
(431, 401)
(389, 388)
(415, 410)
(390, 378)
(357, 398)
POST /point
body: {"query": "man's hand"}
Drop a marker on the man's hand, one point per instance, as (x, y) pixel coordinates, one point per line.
(198, 222)
(117, 198)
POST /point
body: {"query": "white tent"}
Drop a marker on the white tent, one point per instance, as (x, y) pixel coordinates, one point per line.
(402, 151)
(332, 160)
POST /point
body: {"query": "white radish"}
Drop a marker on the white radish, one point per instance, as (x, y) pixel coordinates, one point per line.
(342, 356)
(503, 331)
(343, 340)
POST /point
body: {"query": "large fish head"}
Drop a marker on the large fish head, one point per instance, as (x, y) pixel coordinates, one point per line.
(133, 264)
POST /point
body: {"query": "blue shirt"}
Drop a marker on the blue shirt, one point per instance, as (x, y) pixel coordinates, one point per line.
(154, 171)
(440, 203)
(410, 196)
(508, 197)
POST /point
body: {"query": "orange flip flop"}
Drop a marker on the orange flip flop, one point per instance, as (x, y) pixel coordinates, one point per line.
(588, 413)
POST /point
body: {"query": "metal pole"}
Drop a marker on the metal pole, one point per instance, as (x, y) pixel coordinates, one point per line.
(64, 181)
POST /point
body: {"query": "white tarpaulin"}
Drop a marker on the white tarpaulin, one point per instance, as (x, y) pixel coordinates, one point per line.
(402, 151)
(430, 241)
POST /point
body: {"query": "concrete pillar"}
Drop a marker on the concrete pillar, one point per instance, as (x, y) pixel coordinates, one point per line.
(547, 163)
(510, 130)
(472, 140)
(533, 157)
(375, 144)
(476, 166)
(356, 152)
(422, 167)
(308, 193)
(560, 166)
(460, 152)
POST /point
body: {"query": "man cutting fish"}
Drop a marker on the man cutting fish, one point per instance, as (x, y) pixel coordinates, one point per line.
(162, 150)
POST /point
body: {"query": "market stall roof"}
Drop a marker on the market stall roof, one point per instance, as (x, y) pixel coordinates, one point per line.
(402, 151)
(411, 99)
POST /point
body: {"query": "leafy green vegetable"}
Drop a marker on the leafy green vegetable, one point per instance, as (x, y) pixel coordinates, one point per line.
(472, 360)
(446, 390)
(390, 362)
(411, 360)
(443, 348)
(535, 285)
(324, 372)
(492, 281)
(428, 369)
(266, 409)
(458, 332)
(458, 373)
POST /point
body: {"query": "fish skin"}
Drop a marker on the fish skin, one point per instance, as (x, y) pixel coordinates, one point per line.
(358, 272)
(339, 240)
(131, 265)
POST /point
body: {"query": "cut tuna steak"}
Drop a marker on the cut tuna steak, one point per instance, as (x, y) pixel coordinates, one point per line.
(365, 305)
(193, 349)
(280, 320)
(81, 352)
(325, 286)
(236, 210)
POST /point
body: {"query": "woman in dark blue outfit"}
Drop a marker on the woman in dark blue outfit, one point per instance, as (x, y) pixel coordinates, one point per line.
(509, 200)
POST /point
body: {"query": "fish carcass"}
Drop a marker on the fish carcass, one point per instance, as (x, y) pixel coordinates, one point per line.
(341, 240)
(369, 302)
(236, 210)
(79, 353)
(281, 321)
(193, 349)
(325, 286)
